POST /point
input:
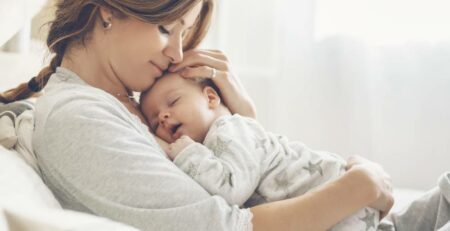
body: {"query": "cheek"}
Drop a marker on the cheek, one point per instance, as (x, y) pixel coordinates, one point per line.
(131, 56)
(202, 117)
(145, 112)
(147, 42)
(136, 79)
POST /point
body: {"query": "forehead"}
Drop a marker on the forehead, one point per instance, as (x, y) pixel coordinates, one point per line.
(189, 18)
(164, 85)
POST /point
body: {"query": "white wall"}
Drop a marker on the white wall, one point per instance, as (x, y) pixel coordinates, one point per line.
(350, 89)
(317, 79)
(15, 19)
(22, 58)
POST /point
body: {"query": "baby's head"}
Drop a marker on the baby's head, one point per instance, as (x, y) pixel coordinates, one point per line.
(175, 106)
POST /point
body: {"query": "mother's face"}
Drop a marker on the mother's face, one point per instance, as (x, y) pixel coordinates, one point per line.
(139, 52)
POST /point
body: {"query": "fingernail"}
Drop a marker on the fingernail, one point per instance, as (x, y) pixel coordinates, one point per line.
(172, 69)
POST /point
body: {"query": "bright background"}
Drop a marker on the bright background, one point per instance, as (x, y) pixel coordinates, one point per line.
(367, 77)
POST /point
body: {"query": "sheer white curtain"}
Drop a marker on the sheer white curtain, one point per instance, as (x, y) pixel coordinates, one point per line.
(368, 77)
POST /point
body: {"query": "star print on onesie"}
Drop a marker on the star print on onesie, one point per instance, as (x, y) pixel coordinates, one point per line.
(369, 219)
(192, 170)
(220, 123)
(313, 168)
(221, 146)
(260, 143)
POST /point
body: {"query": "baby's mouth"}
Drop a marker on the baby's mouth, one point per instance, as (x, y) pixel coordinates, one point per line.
(175, 128)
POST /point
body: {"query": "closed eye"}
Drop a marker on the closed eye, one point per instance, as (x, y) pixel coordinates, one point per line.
(174, 101)
(163, 30)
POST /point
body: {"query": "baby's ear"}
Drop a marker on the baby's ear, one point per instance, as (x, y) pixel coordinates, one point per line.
(212, 96)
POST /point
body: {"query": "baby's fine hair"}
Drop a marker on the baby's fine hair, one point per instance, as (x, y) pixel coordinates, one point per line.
(202, 82)
(206, 82)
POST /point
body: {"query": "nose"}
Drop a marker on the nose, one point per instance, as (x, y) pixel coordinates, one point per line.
(174, 50)
(163, 117)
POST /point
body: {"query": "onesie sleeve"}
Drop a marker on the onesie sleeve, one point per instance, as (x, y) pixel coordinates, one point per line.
(229, 163)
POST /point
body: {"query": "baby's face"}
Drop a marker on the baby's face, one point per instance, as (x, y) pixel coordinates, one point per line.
(175, 106)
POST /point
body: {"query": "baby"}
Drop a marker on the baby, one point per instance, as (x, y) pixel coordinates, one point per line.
(233, 156)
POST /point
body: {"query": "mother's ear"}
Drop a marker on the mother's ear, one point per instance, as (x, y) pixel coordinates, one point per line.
(106, 16)
(212, 96)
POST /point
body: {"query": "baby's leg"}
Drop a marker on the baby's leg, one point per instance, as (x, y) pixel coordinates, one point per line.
(366, 219)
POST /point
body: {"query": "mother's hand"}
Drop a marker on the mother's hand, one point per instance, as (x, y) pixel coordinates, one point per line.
(381, 180)
(214, 64)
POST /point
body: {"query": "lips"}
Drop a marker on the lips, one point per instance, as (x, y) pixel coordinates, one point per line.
(159, 71)
(176, 133)
(158, 68)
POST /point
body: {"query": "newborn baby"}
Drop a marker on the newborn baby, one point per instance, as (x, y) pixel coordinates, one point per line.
(233, 156)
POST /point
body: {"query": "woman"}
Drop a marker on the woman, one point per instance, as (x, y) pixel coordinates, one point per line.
(94, 148)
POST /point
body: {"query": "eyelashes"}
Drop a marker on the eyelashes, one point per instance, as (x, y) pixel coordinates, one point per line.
(163, 30)
(174, 101)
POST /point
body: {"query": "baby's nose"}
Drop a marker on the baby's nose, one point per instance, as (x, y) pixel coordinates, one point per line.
(163, 117)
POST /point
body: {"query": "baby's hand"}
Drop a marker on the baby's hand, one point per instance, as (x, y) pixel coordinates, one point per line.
(176, 147)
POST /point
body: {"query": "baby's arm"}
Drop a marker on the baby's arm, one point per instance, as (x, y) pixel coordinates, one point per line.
(232, 175)
(176, 147)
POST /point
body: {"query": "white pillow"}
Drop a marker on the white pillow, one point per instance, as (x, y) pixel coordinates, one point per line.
(38, 219)
(20, 185)
(26, 204)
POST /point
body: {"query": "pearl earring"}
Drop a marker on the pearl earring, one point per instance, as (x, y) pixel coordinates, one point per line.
(107, 24)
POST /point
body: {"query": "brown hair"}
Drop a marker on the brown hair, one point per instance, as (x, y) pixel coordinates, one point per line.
(75, 20)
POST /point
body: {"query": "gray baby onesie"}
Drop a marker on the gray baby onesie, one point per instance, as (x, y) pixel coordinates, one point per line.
(247, 166)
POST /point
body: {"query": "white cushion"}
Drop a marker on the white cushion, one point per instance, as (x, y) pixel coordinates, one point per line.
(20, 185)
(26, 204)
(38, 219)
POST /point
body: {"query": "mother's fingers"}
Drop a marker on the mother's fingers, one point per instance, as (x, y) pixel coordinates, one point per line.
(201, 72)
(354, 160)
(214, 53)
(201, 59)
